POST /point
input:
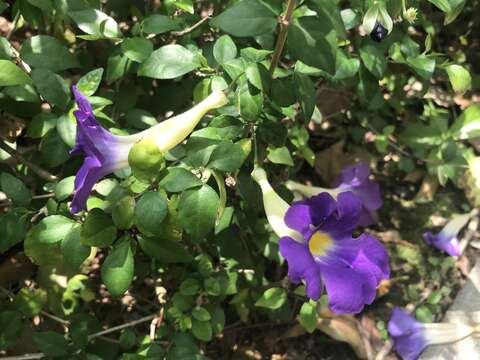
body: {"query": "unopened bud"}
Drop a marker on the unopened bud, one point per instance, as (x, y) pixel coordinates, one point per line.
(146, 159)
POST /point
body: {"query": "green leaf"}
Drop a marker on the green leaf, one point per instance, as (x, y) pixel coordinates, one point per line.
(201, 314)
(123, 212)
(246, 18)
(258, 76)
(459, 77)
(88, 83)
(98, 229)
(150, 212)
(159, 24)
(197, 210)
(118, 268)
(272, 298)
(226, 157)
(280, 155)
(45, 5)
(13, 227)
(422, 65)
(96, 23)
(308, 317)
(443, 5)
(74, 252)
(52, 87)
(179, 179)
(137, 49)
(250, 104)
(467, 125)
(11, 74)
(305, 92)
(169, 62)
(15, 189)
(254, 55)
(51, 229)
(202, 330)
(51, 343)
(67, 129)
(41, 124)
(29, 302)
(46, 52)
(314, 42)
(224, 49)
(166, 251)
(64, 188)
(117, 66)
(189, 287)
(53, 150)
(373, 59)
(345, 67)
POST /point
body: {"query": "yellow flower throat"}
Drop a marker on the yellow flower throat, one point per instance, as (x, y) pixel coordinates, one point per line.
(319, 243)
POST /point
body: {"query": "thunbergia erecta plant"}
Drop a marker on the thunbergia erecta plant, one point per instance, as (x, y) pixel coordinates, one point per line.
(412, 337)
(354, 178)
(316, 240)
(447, 238)
(105, 152)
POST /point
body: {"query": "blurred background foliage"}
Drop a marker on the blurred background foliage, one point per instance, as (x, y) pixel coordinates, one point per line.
(186, 266)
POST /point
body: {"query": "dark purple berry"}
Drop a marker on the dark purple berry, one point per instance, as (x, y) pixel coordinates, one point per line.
(379, 32)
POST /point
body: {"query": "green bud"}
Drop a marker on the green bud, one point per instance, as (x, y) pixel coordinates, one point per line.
(377, 13)
(146, 159)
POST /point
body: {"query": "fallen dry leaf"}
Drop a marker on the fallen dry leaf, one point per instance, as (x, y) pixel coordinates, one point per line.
(428, 188)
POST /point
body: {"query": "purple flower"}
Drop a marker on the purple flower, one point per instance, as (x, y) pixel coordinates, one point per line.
(412, 337)
(327, 256)
(447, 239)
(355, 178)
(103, 151)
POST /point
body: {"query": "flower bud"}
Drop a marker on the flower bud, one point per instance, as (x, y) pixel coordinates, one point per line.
(146, 159)
(377, 22)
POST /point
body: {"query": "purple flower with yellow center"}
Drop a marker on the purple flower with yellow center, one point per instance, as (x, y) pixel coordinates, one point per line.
(412, 337)
(316, 240)
(105, 153)
(447, 238)
(354, 178)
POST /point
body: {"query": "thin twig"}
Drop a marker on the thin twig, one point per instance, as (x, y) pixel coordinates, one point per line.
(186, 30)
(44, 174)
(123, 326)
(14, 25)
(25, 357)
(282, 35)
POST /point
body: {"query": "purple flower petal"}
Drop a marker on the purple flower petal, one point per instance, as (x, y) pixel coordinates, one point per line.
(352, 271)
(407, 334)
(355, 178)
(446, 242)
(348, 290)
(301, 265)
(99, 147)
(298, 216)
(342, 222)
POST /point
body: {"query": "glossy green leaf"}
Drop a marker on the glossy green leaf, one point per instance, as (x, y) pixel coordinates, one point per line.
(15, 189)
(159, 24)
(137, 49)
(169, 62)
(118, 268)
(150, 212)
(246, 18)
(197, 210)
(52, 87)
(272, 298)
(98, 229)
(89, 83)
(46, 52)
(11, 74)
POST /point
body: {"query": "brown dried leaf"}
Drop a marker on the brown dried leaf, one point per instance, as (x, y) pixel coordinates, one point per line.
(347, 329)
(428, 188)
